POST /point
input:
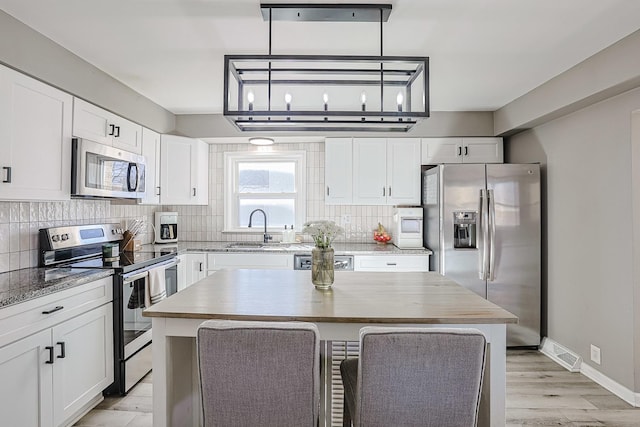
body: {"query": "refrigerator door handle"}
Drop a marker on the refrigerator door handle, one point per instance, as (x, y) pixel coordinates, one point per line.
(482, 258)
(492, 235)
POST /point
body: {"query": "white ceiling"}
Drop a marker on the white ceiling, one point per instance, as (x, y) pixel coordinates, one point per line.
(483, 53)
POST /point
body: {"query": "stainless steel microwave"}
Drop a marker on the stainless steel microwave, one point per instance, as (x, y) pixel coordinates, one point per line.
(99, 170)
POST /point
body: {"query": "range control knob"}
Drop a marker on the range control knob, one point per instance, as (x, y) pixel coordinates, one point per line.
(113, 231)
(55, 238)
(65, 237)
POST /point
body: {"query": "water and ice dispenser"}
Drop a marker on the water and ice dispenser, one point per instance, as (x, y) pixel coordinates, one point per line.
(464, 229)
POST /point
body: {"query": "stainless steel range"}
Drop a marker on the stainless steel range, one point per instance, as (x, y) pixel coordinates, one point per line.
(80, 247)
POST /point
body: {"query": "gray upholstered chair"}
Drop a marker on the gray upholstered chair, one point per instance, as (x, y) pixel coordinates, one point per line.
(259, 373)
(415, 377)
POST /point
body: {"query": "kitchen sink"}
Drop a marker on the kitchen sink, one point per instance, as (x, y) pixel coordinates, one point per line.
(269, 246)
(246, 245)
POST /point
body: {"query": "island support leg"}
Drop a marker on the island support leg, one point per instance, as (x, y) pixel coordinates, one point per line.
(161, 404)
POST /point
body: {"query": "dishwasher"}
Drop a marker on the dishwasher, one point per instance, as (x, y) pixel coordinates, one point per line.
(340, 262)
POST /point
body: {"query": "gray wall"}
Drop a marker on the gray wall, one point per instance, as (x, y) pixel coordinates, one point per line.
(610, 72)
(590, 220)
(32, 53)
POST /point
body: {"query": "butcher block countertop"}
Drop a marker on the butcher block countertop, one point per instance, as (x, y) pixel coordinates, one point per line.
(356, 297)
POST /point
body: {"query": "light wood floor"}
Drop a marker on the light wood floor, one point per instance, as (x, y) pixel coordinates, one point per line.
(539, 393)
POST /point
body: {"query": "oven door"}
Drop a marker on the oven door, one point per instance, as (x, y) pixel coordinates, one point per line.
(103, 171)
(136, 329)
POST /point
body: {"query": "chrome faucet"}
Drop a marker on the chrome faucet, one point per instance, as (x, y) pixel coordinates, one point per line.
(267, 236)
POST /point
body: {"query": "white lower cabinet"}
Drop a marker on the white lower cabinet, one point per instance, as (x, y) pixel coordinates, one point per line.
(52, 376)
(26, 393)
(196, 267)
(399, 263)
(261, 260)
(83, 364)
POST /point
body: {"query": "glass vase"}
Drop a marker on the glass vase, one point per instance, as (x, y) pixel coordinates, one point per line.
(322, 267)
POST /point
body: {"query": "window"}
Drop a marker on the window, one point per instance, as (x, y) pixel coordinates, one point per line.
(274, 182)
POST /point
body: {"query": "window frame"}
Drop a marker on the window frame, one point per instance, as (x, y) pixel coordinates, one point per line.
(232, 197)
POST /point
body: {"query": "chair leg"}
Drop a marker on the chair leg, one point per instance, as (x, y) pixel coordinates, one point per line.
(346, 415)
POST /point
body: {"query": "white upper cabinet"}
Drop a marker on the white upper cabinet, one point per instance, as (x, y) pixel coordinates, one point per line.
(94, 123)
(403, 171)
(369, 171)
(338, 166)
(35, 139)
(386, 171)
(462, 150)
(184, 171)
(151, 153)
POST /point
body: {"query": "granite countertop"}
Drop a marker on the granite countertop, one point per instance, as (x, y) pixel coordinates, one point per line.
(22, 285)
(253, 247)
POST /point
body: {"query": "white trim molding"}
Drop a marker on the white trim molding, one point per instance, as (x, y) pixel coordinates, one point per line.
(553, 350)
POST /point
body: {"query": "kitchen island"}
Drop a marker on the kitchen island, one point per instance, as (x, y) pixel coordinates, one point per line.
(357, 299)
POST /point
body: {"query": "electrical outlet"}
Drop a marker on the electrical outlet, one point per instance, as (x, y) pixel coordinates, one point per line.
(346, 219)
(595, 354)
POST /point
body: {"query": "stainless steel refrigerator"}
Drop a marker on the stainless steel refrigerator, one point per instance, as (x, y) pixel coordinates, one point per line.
(482, 222)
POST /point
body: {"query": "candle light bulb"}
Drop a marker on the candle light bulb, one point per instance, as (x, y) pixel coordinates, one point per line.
(250, 97)
(325, 98)
(363, 97)
(399, 98)
(287, 98)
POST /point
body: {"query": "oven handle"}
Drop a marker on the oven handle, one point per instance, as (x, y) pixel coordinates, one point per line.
(141, 274)
(134, 277)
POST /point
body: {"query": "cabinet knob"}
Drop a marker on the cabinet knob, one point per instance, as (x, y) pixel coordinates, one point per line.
(63, 353)
(8, 178)
(50, 349)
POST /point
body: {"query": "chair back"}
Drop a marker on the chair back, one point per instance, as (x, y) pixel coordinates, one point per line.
(419, 377)
(259, 373)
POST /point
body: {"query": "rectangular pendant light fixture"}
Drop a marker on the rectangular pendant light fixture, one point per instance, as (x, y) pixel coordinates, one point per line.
(326, 92)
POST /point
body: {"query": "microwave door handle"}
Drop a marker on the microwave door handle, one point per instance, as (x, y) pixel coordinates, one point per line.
(129, 186)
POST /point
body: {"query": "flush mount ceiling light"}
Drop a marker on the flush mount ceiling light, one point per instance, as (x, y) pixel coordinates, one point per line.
(261, 141)
(325, 92)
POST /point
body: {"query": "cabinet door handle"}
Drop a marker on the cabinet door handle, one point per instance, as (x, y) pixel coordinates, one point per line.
(459, 151)
(194, 192)
(113, 130)
(389, 191)
(201, 267)
(157, 191)
(50, 361)
(383, 191)
(466, 151)
(327, 190)
(8, 179)
(62, 350)
(117, 135)
(53, 310)
(391, 263)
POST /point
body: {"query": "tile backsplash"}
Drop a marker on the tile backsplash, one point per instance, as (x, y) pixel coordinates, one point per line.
(20, 221)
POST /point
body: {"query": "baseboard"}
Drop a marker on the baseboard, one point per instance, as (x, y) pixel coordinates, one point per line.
(574, 363)
(614, 387)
